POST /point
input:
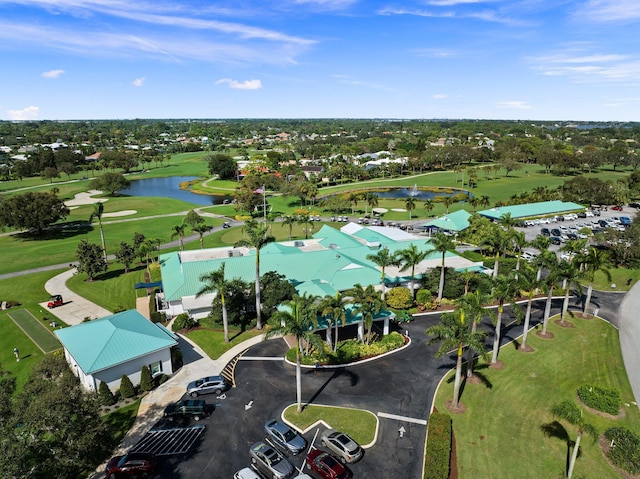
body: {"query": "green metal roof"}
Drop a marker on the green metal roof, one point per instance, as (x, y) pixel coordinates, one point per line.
(456, 221)
(531, 210)
(106, 342)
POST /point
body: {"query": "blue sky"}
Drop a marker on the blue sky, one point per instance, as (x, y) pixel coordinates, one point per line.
(493, 59)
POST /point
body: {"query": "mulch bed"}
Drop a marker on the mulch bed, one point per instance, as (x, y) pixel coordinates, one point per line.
(547, 335)
(605, 446)
(498, 365)
(564, 324)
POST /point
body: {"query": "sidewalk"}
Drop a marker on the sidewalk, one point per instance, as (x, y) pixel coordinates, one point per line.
(75, 308)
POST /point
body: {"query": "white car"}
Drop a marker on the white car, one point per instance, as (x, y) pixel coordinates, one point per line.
(246, 473)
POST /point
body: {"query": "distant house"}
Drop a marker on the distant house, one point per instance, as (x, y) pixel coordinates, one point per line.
(108, 348)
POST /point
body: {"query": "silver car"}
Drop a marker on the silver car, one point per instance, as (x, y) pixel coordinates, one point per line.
(345, 448)
(270, 462)
(285, 437)
(208, 385)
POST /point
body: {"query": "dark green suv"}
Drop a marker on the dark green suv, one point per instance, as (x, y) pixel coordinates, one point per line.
(195, 408)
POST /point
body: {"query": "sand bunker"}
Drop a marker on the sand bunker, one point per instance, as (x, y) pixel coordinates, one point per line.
(86, 198)
(399, 210)
(119, 213)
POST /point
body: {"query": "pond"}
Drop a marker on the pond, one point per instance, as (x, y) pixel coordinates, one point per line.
(169, 187)
(421, 195)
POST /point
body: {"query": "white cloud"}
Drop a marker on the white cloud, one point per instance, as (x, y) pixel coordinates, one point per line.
(515, 105)
(245, 85)
(440, 96)
(609, 10)
(52, 73)
(138, 82)
(28, 113)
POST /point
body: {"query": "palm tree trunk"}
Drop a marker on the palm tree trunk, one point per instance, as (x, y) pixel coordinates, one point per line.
(587, 302)
(225, 321)
(496, 336)
(525, 330)
(298, 378)
(458, 378)
(574, 455)
(565, 304)
(258, 302)
(547, 310)
(470, 353)
(496, 264)
(329, 342)
(335, 341)
(441, 284)
(104, 248)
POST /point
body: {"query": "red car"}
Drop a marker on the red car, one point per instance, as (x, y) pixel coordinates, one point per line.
(132, 464)
(616, 208)
(327, 466)
(55, 301)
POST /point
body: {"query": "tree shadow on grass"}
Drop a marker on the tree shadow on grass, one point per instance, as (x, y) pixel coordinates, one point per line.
(556, 430)
(57, 232)
(114, 273)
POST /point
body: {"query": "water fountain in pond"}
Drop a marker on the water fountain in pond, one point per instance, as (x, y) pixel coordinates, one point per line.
(414, 191)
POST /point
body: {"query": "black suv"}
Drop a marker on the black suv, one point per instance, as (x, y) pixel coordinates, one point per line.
(195, 408)
(545, 232)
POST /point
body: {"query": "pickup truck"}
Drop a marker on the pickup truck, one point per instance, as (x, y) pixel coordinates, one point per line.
(195, 408)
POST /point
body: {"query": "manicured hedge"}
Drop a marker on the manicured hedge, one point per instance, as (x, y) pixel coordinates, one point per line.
(602, 399)
(438, 451)
(625, 451)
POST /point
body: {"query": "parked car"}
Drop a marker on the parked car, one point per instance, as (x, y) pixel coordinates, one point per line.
(285, 437)
(572, 236)
(556, 240)
(226, 224)
(132, 464)
(327, 466)
(556, 232)
(634, 205)
(207, 385)
(195, 408)
(345, 448)
(270, 462)
(625, 220)
(246, 473)
(545, 232)
(617, 208)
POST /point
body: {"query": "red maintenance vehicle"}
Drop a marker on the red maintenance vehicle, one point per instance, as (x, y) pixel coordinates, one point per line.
(55, 301)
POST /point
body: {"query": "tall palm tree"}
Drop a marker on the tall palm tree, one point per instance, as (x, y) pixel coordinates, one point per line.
(447, 201)
(441, 243)
(98, 211)
(296, 321)
(256, 238)
(429, 204)
(201, 229)
(496, 243)
(384, 258)
(571, 412)
(484, 201)
(289, 221)
(411, 257)
(410, 204)
(594, 260)
(454, 332)
(368, 302)
(179, 231)
(553, 274)
(569, 273)
(215, 282)
(529, 283)
(354, 198)
(332, 308)
(505, 290)
(473, 305)
(518, 241)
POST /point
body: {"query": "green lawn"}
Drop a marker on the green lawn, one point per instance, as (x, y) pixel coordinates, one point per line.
(212, 341)
(121, 420)
(36, 329)
(500, 433)
(359, 424)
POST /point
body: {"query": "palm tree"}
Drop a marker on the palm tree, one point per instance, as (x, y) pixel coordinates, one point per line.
(484, 201)
(473, 306)
(429, 204)
(383, 258)
(518, 241)
(505, 290)
(371, 199)
(201, 229)
(98, 211)
(289, 220)
(553, 274)
(441, 243)
(410, 204)
(593, 261)
(571, 413)
(453, 332)
(368, 303)
(529, 283)
(474, 203)
(215, 282)
(332, 308)
(256, 238)
(496, 243)
(410, 257)
(296, 321)
(448, 201)
(569, 274)
(178, 231)
(354, 198)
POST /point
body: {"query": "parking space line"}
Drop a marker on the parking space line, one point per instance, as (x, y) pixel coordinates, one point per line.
(164, 442)
(413, 420)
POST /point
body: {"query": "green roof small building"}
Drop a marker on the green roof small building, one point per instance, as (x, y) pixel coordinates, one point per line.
(105, 349)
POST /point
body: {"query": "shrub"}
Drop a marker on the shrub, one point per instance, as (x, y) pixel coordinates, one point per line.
(602, 399)
(158, 317)
(183, 321)
(625, 450)
(399, 298)
(105, 396)
(438, 452)
(126, 387)
(146, 381)
(424, 297)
